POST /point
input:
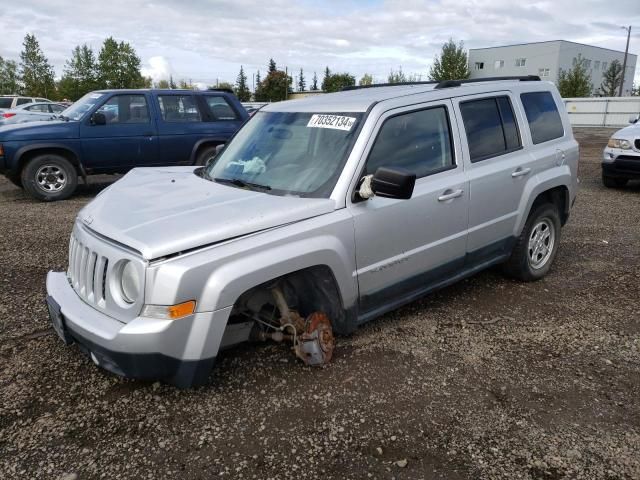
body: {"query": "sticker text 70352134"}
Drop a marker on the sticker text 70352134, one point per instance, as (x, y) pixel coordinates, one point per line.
(337, 122)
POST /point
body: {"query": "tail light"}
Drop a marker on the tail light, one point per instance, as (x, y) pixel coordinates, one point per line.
(8, 115)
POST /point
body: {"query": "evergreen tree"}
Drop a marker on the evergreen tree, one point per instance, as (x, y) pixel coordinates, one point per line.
(452, 63)
(172, 84)
(327, 74)
(9, 79)
(611, 80)
(242, 89)
(397, 77)
(274, 87)
(335, 82)
(35, 70)
(302, 84)
(80, 74)
(272, 66)
(184, 85)
(575, 82)
(366, 80)
(162, 84)
(119, 66)
(314, 85)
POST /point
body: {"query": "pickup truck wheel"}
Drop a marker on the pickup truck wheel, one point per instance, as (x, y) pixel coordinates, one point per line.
(611, 182)
(16, 181)
(49, 178)
(537, 245)
(205, 155)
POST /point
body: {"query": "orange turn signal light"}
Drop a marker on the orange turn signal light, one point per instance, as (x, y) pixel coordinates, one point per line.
(181, 310)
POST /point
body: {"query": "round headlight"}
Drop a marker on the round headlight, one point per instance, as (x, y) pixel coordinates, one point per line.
(130, 283)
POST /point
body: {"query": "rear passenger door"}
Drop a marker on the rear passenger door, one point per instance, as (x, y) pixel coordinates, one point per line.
(180, 126)
(497, 168)
(404, 247)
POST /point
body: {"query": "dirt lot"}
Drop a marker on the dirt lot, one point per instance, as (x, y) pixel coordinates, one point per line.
(489, 378)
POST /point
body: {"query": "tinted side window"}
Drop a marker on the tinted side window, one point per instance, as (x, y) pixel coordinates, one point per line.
(220, 108)
(542, 115)
(125, 109)
(490, 126)
(419, 142)
(179, 108)
(23, 100)
(6, 102)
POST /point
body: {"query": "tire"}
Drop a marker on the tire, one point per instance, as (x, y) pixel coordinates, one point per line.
(532, 262)
(205, 155)
(612, 182)
(16, 181)
(49, 177)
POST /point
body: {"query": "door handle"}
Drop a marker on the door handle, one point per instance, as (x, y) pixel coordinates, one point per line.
(519, 172)
(449, 195)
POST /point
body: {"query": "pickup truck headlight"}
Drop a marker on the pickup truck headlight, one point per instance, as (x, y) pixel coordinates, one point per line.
(130, 282)
(619, 143)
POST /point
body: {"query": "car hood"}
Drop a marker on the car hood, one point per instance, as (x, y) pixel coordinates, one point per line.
(40, 130)
(628, 133)
(162, 211)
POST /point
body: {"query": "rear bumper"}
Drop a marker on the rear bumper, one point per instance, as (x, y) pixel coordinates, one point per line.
(621, 165)
(181, 352)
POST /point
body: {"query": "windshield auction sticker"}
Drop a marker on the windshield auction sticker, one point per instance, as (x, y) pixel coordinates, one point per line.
(337, 122)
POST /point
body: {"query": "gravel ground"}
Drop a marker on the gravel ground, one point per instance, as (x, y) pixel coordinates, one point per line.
(489, 378)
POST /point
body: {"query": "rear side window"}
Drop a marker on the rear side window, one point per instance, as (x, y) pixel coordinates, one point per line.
(23, 100)
(220, 108)
(419, 142)
(6, 102)
(179, 108)
(491, 127)
(543, 116)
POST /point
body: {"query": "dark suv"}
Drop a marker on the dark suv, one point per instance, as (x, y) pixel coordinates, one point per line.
(113, 131)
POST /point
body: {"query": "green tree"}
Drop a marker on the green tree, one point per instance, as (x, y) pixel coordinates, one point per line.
(242, 89)
(80, 74)
(9, 79)
(119, 66)
(452, 63)
(611, 80)
(302, 83)
(274, 88)
(314, 82)
(258, 79)
(367, 79)
(575, 82)
(272, 66)
(337, 81)
(162, 84)
(36, 72)
(172, 84)
(396, 77)
(184, 85)
(327, 74)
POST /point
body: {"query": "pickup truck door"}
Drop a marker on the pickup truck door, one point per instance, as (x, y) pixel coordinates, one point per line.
(128, 139)
(406, 247)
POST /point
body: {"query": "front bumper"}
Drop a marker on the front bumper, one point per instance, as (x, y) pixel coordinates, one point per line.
(181, 352)
(617, 163)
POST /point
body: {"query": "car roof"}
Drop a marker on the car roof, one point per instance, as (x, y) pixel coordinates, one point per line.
(161, 90)
(361, 99)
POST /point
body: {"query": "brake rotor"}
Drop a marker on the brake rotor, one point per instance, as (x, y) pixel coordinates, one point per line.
(315, 345)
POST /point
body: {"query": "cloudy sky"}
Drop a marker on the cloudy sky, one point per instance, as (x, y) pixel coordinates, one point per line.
(205, 40)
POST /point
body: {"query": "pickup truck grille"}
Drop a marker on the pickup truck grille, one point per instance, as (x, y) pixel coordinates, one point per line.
(87, 272)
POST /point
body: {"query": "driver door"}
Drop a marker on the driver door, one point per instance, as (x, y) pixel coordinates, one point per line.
(405, 247)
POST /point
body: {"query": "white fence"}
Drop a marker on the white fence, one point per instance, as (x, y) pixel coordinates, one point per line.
(602, 111)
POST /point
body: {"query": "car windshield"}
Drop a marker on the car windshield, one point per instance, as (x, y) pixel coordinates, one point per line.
(286, 153)
(79, 108)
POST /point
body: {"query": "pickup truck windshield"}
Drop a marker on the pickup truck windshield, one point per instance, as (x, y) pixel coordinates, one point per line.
(286, 153)
(76, 111)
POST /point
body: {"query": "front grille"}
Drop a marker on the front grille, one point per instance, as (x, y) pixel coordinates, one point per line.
(87, 272)
(637, 143)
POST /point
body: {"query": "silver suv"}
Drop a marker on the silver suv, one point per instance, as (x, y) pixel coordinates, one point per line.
(319, 215)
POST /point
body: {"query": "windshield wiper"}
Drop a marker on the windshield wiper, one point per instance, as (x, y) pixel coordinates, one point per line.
(241, 183)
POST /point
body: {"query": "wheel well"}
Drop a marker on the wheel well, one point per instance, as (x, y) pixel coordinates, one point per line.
(27, 156)
(558, 196)
(308, 290)
(205, 145)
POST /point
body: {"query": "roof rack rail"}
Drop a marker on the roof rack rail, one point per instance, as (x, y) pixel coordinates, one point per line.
(376, 85)
(457, 83)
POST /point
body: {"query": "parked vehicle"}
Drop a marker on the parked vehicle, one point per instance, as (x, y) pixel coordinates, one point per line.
(31, 112)
(8, 102)
(113, 131)
(621, 156)
(320, 214)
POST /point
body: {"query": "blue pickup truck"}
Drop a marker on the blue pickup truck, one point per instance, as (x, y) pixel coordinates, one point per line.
(113, 131)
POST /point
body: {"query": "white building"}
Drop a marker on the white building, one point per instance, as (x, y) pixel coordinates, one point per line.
(546, 59)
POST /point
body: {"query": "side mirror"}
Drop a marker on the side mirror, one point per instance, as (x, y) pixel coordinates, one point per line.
(98, 119)
(393, 183)
(634, 118)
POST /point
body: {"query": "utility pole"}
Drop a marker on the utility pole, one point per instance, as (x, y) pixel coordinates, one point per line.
(624, 62)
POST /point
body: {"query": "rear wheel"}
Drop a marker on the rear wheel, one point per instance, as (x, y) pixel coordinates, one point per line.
(612, 182)
(536, 246)
(49, 177)
(16, 181)
(205, 155)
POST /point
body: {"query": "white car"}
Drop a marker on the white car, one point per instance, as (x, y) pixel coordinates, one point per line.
(8, 102)
(621, 157)
(31, 112)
